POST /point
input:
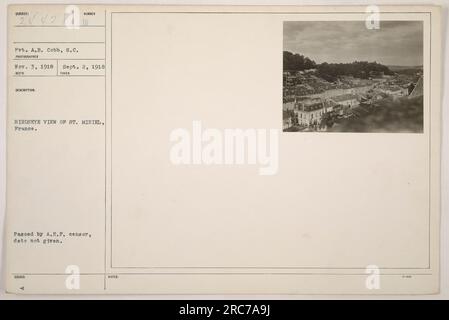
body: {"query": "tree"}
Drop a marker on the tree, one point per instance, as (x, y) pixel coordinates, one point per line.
(358, 69)
(297, 62)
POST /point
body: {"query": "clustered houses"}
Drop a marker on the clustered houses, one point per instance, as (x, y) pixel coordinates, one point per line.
(346, 100)
(307, 98)
(287, 120)
(394, 91)
(310, 112)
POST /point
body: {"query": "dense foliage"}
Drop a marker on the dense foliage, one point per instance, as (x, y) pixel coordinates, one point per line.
(297, 62)
(331, 71)
(358, 69)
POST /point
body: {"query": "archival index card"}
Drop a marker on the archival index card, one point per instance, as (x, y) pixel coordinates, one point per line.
(223, 150)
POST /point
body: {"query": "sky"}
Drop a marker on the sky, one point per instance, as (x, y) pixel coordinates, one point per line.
(394, 43)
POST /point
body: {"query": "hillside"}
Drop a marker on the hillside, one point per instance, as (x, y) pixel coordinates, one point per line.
(331, 71)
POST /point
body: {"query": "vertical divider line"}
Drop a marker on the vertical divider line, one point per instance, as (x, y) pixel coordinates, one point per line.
(105, 152)
(110, 139)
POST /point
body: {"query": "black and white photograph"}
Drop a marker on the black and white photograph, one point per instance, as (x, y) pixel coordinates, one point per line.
(345, 76)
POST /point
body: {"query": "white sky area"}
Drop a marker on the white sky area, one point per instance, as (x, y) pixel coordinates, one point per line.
(394, 43)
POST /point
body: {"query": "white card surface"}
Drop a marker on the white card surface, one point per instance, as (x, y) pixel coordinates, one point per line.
(223, 150)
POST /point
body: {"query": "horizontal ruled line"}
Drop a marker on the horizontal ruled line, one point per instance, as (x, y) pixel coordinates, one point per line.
(224, 273)
(56, 76)
(57, 26)
(60, 59)
(62, 42)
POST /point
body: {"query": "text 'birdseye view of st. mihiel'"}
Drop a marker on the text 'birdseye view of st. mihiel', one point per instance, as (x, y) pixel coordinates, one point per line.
(342, 76)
